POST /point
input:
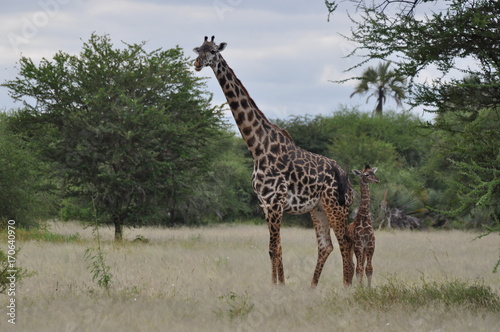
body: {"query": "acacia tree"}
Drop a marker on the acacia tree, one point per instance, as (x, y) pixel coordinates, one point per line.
(381, 82)
(127, 129)
(464, 29)
(468, 110)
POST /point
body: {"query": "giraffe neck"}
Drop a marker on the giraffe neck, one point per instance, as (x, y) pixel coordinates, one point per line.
(255, 128)
(364, 206)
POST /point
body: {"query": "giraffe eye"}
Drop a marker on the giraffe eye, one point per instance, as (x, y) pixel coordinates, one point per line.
(212, 51)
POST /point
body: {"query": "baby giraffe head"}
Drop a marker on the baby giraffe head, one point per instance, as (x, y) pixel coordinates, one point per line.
(367, 175)
(208, 53)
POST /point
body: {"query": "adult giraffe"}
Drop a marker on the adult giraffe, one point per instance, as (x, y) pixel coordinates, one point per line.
(285, 178)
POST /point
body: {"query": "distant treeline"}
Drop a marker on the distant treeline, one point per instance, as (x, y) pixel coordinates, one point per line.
(419, 168)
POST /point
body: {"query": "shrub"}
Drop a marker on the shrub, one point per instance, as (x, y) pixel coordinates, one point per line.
(5, 274)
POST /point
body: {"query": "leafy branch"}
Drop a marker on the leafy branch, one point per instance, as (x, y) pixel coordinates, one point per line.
(330, 6)
(479, 189)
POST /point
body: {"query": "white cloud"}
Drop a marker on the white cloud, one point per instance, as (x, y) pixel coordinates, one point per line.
(283, 51)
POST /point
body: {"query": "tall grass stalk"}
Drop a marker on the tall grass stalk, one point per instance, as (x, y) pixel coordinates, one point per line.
(96, 255)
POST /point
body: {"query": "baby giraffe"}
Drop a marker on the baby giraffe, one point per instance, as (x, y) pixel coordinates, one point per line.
(361, 231)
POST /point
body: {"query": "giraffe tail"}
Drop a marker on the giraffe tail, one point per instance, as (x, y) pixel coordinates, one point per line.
(344, 187)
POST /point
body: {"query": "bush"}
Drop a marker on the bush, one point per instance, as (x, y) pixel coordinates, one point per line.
(23, 193)
(75, 209)
(5, 274)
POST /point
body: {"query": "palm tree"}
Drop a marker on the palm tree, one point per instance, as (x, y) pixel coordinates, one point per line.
(382, 82)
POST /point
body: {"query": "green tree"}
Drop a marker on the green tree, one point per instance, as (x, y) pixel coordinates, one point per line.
(310, 133)
(25, 193)
(128, 129)
(460, 166)
(354, 138)
(381, 82)
(463, 29)
(226, 194)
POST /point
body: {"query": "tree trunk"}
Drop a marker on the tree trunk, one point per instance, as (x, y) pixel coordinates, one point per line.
(118, 230)
(380, 101)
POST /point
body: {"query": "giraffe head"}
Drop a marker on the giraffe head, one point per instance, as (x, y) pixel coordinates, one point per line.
(367, 175)
(208, 53)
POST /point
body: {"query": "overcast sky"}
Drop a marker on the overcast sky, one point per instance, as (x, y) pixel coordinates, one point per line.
(284, 51)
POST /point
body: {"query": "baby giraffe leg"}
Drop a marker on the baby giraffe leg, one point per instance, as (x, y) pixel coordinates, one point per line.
(360, 262)
(369, 268)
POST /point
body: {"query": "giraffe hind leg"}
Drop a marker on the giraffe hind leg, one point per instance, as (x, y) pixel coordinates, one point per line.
(338, 220)
(325, 246)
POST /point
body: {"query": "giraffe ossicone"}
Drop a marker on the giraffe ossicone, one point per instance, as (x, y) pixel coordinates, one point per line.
(285, 178)
(361, 230)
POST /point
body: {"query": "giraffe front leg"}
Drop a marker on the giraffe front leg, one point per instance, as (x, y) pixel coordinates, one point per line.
(369, 268)
(275, 251)
(360, 263)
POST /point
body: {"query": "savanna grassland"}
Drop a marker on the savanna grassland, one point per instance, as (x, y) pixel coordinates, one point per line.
(218, 279)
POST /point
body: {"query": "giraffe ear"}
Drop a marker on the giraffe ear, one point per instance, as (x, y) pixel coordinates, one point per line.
(222, 46)
(196, 50)
(374, 170)
(356, 172)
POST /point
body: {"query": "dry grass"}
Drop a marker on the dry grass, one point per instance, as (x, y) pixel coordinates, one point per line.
(218, 279)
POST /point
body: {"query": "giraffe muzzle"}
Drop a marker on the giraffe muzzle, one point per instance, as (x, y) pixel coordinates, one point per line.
(197, 66)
